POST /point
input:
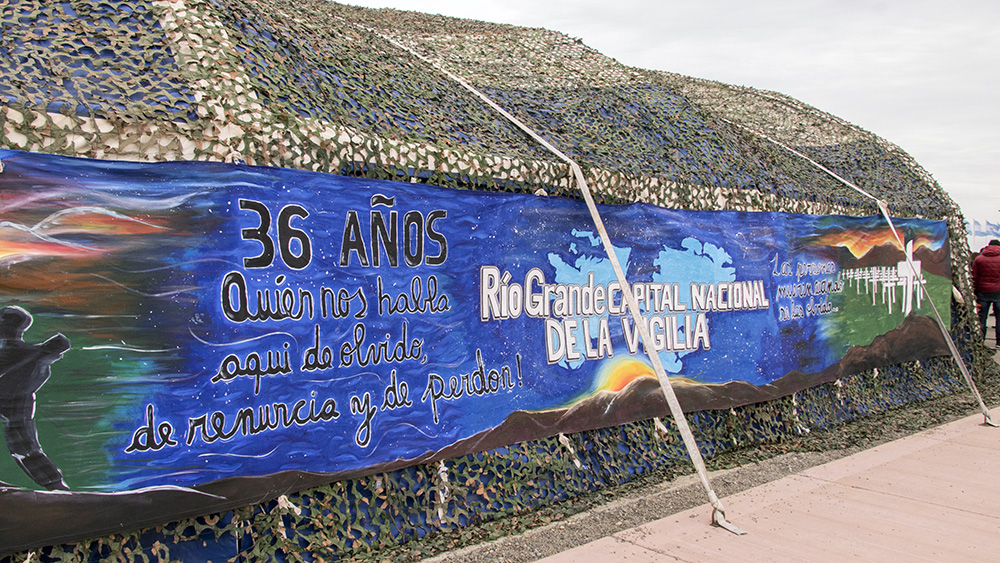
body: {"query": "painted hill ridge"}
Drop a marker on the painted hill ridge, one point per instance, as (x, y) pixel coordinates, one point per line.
(936, 262)
(917, 337)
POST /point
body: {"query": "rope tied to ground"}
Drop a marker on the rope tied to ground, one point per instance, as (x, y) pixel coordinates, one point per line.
(884, 210)
(690, 443)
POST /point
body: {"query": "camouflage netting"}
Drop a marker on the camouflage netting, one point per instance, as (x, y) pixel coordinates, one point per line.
(315, 85)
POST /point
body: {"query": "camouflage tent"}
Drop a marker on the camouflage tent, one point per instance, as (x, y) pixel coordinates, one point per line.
(321, 86)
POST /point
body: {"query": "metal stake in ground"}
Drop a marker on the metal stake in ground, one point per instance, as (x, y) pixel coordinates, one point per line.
(718, 511)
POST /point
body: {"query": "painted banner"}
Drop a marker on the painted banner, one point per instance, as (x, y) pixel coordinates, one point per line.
(203, 334)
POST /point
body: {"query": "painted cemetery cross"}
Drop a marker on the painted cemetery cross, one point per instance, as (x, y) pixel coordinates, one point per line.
(240, 332)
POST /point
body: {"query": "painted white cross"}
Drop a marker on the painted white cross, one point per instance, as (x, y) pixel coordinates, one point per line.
(909, 278)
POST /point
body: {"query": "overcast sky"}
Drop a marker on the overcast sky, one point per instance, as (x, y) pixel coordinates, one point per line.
(923, 74)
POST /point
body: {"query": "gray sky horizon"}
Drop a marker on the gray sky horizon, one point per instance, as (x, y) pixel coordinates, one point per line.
(921, 74)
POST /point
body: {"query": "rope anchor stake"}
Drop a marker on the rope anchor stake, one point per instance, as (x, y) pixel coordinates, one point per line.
(884, 210)
(690, 443)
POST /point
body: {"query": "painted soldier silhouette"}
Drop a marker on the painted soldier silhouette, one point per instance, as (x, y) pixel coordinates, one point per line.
(24, 368)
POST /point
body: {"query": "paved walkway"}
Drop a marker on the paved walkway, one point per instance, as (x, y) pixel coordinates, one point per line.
(933, 496)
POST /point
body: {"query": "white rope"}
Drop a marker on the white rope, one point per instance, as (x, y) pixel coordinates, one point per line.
(443, 491)
(718, 511)
(909, 260)
(947, 336)
(564, 440)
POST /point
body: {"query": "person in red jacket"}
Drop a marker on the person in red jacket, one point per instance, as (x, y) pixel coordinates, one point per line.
(986, 281)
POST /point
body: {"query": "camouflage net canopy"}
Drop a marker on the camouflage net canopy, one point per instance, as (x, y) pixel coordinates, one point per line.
(316, 85)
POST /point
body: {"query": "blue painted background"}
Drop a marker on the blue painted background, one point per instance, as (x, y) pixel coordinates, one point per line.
(130, 262)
